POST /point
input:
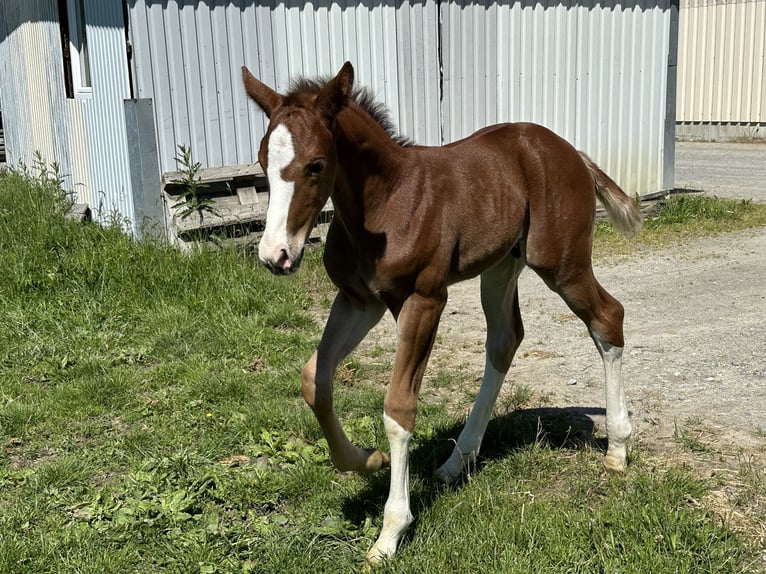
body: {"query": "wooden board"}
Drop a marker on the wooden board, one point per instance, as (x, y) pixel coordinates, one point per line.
(219, 174)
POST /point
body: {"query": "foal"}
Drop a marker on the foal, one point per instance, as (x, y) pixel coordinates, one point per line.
(411, 220)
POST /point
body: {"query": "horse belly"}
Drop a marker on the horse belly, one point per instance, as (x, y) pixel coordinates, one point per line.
(484, 234)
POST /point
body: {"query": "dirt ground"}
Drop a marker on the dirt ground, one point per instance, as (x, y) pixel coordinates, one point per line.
(695, 334)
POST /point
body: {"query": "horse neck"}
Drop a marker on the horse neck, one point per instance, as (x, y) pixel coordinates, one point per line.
(368, 161)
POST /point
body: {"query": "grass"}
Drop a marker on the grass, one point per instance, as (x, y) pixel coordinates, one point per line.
(151, 421)
(682, 218)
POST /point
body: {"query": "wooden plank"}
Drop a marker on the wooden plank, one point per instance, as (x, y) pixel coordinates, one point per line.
(227, 202)
(219, 174)
(248, 195)
(219, 217)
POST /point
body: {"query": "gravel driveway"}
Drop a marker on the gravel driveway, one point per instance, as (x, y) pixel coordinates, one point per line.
(734, 170)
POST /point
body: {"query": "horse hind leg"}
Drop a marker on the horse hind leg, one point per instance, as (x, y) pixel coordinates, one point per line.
(500, 302)
(603, 315)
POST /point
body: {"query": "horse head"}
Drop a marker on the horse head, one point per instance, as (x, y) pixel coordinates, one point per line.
(299, 157)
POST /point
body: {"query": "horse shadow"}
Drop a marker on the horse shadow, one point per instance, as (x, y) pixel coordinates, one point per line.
(570, 428)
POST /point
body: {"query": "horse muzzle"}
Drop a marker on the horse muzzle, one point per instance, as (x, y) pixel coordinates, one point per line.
(280, 260)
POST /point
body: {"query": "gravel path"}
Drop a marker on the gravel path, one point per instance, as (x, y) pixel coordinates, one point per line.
(735, 170)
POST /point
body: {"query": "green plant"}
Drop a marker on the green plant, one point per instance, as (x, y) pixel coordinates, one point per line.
(681, 218)
(689, 438)
(191, 200)
(47, 176)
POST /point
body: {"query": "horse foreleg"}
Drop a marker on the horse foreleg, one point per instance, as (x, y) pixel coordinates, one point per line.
(416, 325)
(348, 323)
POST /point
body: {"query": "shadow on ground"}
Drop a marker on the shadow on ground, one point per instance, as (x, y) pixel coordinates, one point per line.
(558, 428)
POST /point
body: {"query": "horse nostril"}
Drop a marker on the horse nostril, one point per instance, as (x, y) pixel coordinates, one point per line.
(284, 262)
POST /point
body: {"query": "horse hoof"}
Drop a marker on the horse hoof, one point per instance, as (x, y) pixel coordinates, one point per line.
(614, 463)
(375, 461)
(374, 558)
(445, 476)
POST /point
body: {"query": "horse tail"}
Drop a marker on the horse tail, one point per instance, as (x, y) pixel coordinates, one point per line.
(621, 210)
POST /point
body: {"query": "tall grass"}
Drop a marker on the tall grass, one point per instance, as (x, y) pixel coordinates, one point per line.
(151, 421)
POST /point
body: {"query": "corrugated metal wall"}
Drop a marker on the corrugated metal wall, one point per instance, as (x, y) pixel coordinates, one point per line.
(85, 136)
(722, 61)
(34, 119)
(595, 72)
(109, 192)
(187, 57)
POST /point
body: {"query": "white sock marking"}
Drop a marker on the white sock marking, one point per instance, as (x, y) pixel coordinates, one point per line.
(469, 442)
(396, 514)
(618, 427)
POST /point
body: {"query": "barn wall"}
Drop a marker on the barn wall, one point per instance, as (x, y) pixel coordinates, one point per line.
(85, 136)
(188, 57)
(35, 120)
(110, 191)
(722, 68)
(594, 72)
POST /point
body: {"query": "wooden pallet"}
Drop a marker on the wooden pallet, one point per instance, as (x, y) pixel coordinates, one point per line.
(238, 197)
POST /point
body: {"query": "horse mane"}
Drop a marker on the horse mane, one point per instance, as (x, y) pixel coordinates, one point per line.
(361, 96)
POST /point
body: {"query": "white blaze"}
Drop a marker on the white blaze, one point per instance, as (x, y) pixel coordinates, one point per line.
(281, 153)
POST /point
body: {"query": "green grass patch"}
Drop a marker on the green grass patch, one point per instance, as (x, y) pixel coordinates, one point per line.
(682, 218)
(151, 421)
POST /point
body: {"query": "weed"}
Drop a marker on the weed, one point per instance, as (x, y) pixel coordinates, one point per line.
(518, 397)
(190, 201)
(689, 439)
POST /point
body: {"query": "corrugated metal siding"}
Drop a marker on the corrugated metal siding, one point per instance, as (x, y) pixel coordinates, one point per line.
(109, 190)
(596, 74)
(34, 121)
(78, 138)
(87, 136)
(722, 61)
(187, 57)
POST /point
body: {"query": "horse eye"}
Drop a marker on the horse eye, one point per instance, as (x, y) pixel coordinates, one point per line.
(316, 167)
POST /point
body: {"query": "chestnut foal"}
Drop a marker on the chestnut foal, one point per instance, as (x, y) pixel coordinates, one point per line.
(411, 220)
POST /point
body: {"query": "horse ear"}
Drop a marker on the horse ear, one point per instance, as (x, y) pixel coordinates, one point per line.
(266, 98)
(337, 92)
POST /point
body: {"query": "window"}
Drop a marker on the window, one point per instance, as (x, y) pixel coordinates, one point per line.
(74, 44)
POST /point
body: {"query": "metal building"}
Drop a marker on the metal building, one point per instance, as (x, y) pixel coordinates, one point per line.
(722, 69)
(113, 100)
